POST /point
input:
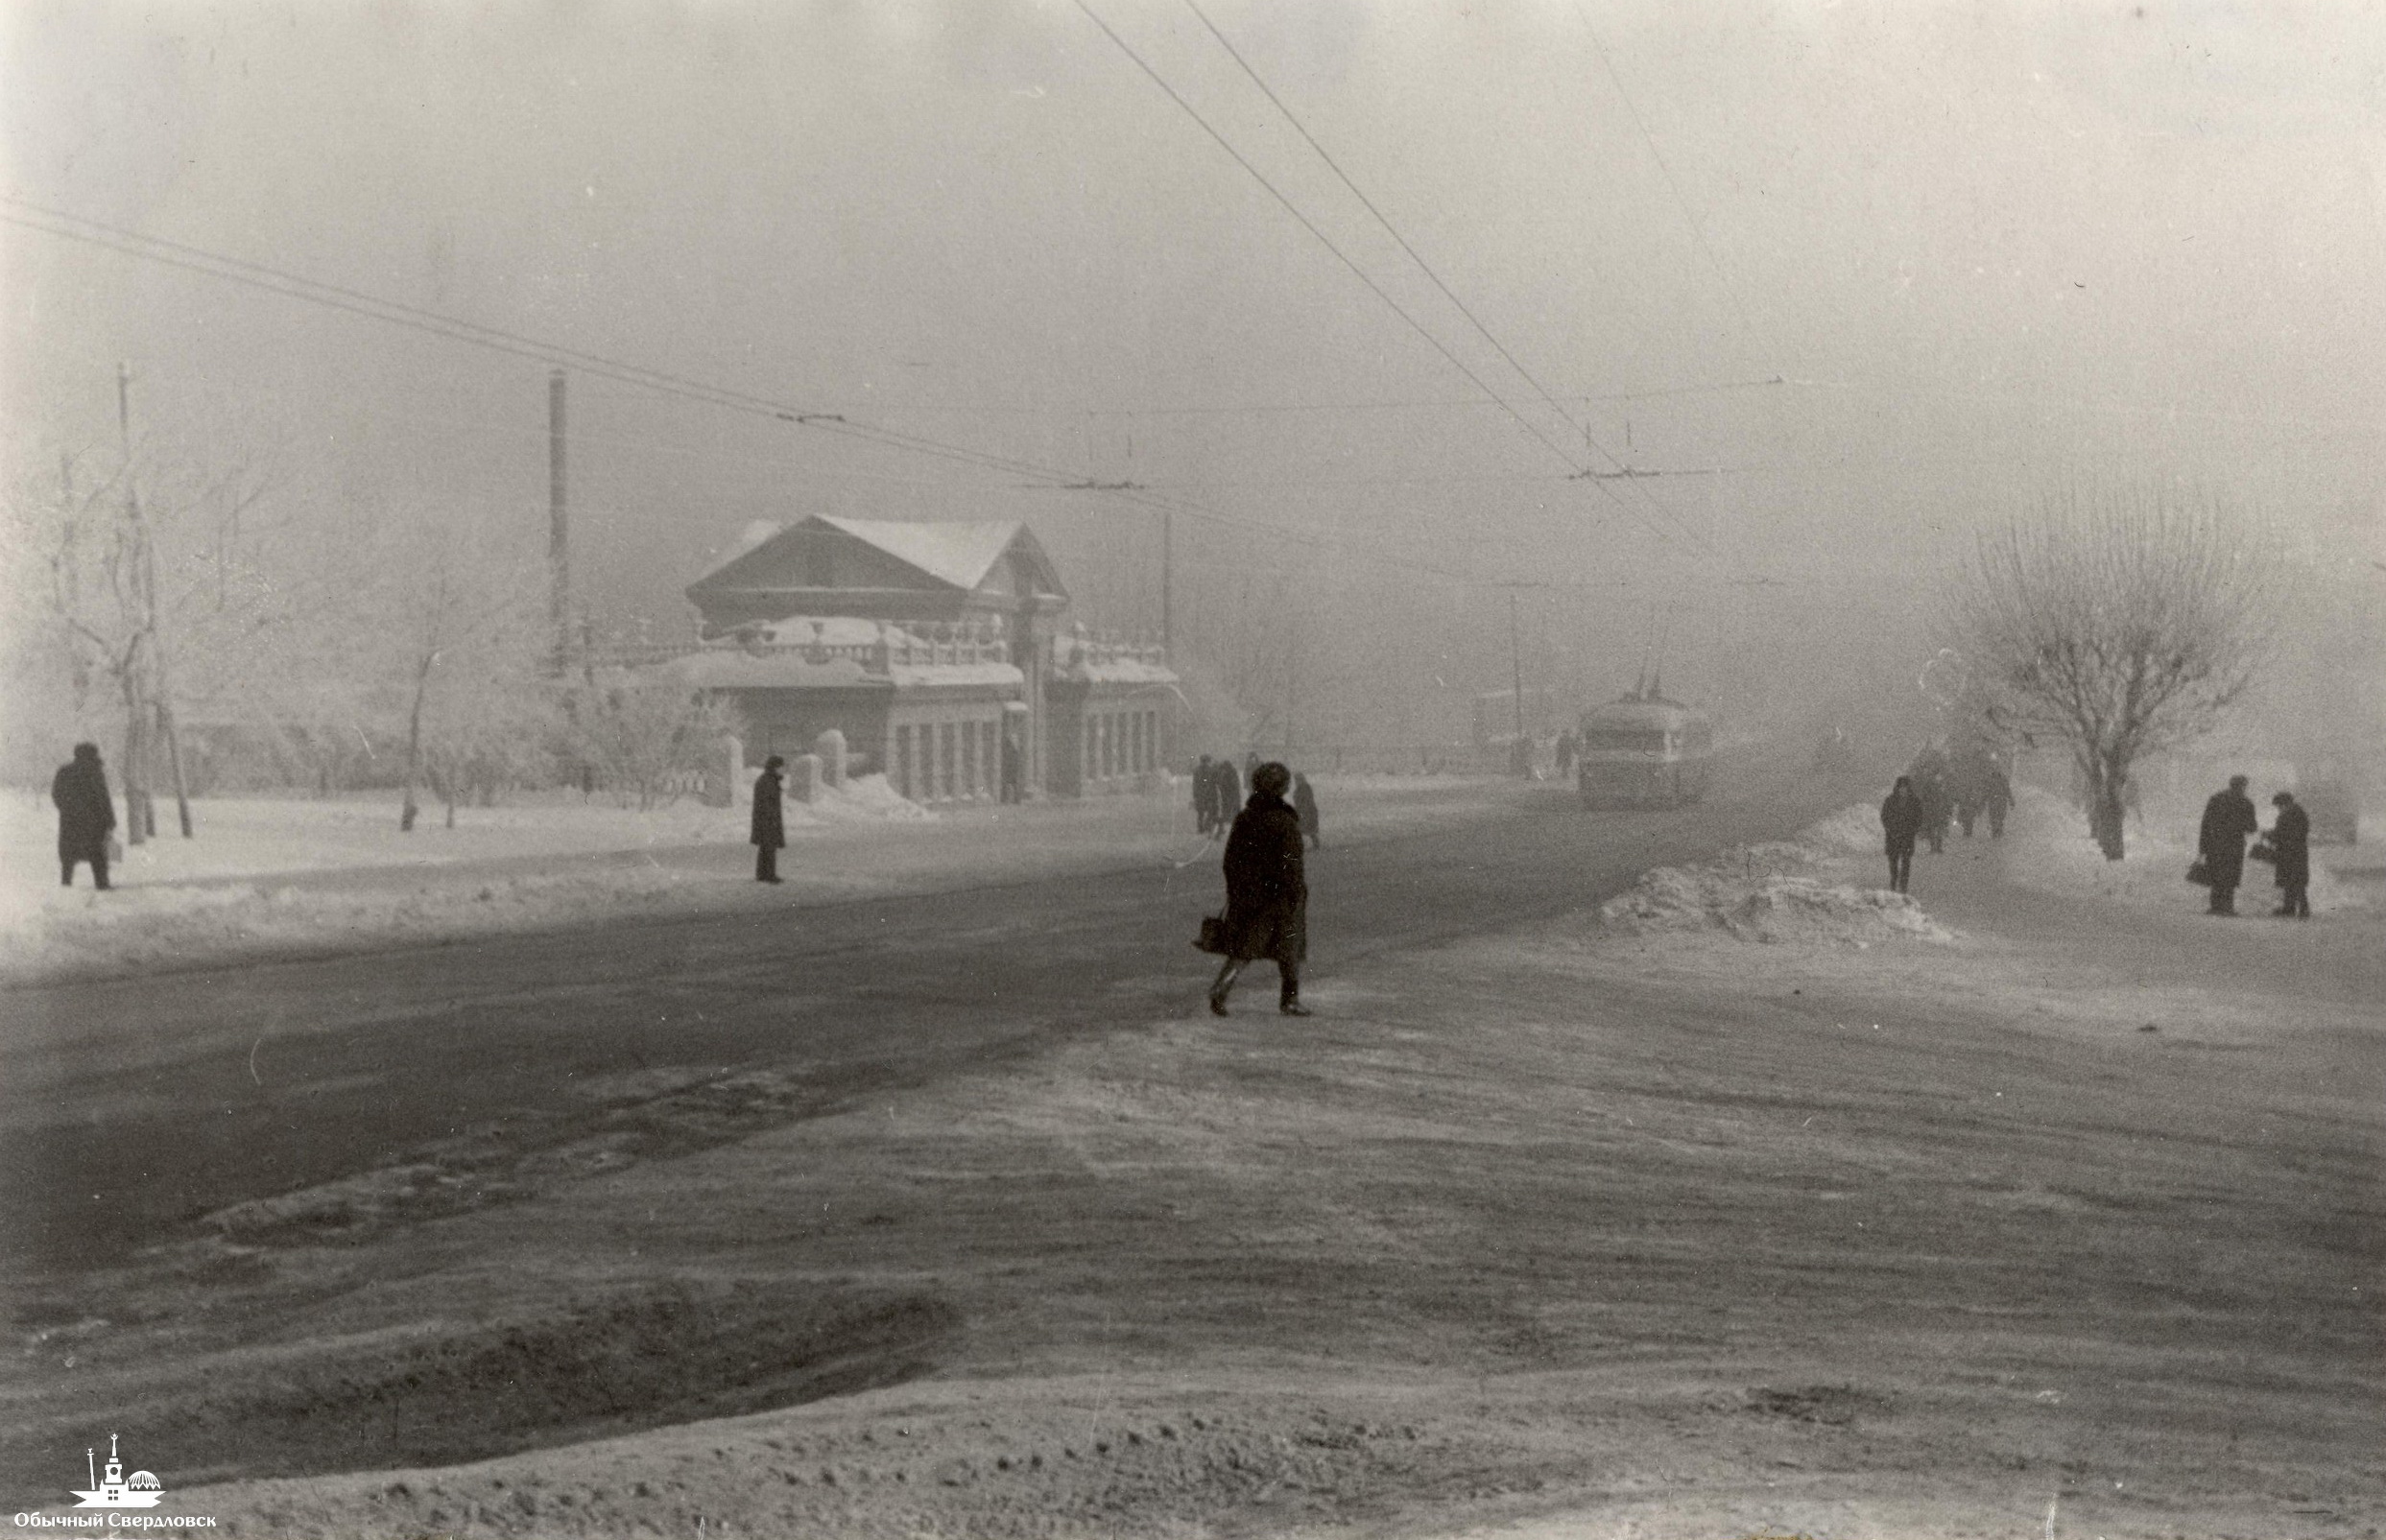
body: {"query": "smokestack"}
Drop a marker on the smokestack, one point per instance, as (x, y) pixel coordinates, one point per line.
(559, 546)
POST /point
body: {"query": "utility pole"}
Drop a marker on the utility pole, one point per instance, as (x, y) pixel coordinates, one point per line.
(1167, 586)
(1516, 657)
(1292, 688)
(559, 527)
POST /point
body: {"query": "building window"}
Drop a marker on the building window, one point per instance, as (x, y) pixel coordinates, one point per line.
(968, 759)
(944, 759)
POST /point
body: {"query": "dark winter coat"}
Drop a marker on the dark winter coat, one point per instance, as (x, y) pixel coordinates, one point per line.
(2291, 838)
(769, 823)
(2228, 819)
(1267, 890)
(1304, 804)
(1901, 817)
(1226, 793)
(85, 813)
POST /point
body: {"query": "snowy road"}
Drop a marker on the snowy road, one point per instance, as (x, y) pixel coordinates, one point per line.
(131, 1109)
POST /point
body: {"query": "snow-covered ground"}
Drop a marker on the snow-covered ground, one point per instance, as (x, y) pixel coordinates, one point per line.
(251, 878)
(1664, 1221)
(2048, 846)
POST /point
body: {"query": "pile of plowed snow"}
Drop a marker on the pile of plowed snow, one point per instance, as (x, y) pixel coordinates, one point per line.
(1795, 891)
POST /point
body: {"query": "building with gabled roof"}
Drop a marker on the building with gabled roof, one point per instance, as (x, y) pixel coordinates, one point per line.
(936, 648)
(943, 571)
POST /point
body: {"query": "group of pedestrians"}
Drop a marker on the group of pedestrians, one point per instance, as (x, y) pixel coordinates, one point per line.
(1935, 792)
(1218, 796)
(2228, 821)
(1908, 813)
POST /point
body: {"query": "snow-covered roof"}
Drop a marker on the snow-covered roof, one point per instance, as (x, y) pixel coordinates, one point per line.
(1634, 711)
(957, 551)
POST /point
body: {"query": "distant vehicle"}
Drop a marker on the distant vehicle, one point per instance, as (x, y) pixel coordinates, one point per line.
(1644, 750)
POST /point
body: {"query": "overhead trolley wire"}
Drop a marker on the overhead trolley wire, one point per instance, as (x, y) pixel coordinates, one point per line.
(1346, 261)
(1698, 227)
(274, 280)
(1391, 229)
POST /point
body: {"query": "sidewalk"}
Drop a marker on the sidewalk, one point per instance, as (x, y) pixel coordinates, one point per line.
(2068, 914)
(303, 899)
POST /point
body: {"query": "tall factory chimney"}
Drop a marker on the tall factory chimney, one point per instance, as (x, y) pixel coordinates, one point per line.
(559, 524)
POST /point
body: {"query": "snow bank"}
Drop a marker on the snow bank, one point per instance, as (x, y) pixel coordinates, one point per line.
(1853, 830)
(1783, 892)
(2048, 846)
(230, 891)
(861, 799)
(137, 927)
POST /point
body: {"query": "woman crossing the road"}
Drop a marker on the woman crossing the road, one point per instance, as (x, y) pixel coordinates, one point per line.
(1267, 892)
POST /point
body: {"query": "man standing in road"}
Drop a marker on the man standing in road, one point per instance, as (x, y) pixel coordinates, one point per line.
(2228, 819)
(2290, 842)
(1267, 892)
(85, 816)
(1901, 820)
(770, 826)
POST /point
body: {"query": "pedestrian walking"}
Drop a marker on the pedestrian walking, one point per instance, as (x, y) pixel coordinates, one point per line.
(1999, 800)
(1267, 913)
(1226, 796)
(1901, 820)
(1566, 753)
(770, 826)
(1929, 774)
(2228, 819)
(1304, 806)
(2290, 846)
(86, 815)
(1205, 795)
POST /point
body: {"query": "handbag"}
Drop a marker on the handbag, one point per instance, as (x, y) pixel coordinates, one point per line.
(2199, 873)
(2263, 850)
(1213, 939)
(115, 851)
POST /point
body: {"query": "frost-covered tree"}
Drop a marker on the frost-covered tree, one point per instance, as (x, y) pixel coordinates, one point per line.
(2122, 624)
(642, 730)
(463, 636)
(150, 591)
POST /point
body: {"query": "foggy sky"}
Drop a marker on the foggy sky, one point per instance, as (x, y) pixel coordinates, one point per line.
(1989, 250)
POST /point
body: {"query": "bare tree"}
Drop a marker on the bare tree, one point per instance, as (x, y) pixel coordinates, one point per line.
(2122, 624)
